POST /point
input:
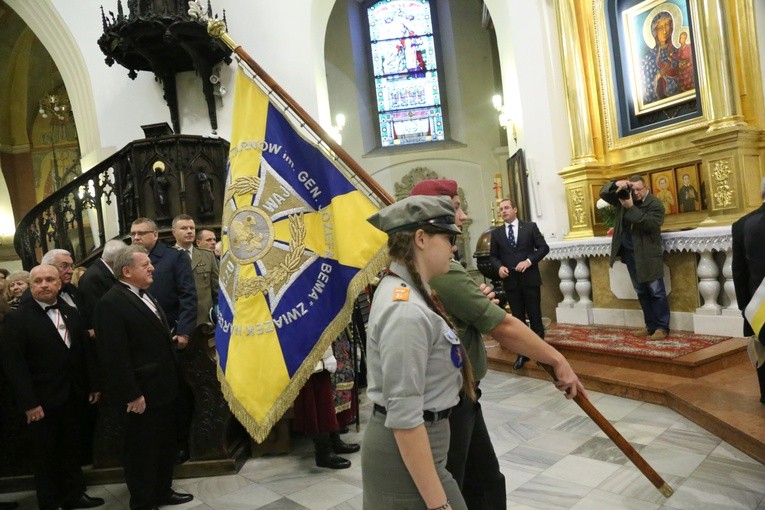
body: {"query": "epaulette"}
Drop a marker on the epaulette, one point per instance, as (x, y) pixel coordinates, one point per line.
(401, 293)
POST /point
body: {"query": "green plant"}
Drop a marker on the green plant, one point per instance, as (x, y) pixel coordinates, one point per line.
(606, 213)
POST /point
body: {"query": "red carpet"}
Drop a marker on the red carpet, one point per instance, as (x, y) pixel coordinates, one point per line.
(623, 341)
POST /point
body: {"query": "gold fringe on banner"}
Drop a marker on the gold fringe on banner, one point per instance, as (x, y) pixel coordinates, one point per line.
(260, 431)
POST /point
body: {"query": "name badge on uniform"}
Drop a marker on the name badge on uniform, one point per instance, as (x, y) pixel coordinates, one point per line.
(401, 294)
(458, 353)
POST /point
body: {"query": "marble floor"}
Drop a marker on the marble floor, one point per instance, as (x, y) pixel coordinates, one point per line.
(553, 457)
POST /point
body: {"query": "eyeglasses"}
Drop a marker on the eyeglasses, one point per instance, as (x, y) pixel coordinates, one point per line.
(64, 266)
(453, 239)
(141, 233)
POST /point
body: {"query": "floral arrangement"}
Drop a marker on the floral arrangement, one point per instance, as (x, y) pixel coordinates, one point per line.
(606, 213)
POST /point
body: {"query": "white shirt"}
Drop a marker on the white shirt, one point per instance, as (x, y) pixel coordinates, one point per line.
(515, 229)
(145, 298)
(54, 314)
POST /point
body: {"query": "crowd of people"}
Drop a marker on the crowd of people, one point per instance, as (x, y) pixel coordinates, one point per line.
(112, 339)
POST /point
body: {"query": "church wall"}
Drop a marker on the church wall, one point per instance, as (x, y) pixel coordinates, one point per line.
(466, 62)
(278, 42)
(286, 42)
(531, 75)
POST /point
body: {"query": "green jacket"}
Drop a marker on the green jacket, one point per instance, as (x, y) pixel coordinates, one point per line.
(646, 219)
(471, 311)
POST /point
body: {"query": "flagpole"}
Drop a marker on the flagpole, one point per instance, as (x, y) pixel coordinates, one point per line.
(619, 440)
(217, 28)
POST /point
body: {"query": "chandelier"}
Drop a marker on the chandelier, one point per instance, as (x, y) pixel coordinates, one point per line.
(56, 107)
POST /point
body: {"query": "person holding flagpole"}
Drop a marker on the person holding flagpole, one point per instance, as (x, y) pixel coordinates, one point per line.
(416, 364)
(472, 460)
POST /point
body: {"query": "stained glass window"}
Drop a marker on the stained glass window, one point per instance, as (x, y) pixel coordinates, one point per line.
(405, 72)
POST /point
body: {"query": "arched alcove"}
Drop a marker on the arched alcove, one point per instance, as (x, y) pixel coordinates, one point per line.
(46, 23)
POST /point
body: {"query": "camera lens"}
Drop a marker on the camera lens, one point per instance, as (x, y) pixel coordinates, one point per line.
(623, 194)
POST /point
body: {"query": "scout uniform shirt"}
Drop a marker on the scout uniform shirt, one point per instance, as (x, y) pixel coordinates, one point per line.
(413, 356)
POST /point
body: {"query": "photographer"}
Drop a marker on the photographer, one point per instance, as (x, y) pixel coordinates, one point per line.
(637, 240)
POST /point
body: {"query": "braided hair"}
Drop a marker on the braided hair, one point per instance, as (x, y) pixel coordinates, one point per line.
(401, 248)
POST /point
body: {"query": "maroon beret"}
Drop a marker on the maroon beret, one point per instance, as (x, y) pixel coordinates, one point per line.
(435, 187)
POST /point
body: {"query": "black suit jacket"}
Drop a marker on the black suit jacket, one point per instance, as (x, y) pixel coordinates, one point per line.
(748, 262)
(529, 244)
(38, 365)
(135, 350)
(173, 287)
(94, 283)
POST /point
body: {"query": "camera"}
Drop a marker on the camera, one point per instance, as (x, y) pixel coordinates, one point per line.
(624, 193)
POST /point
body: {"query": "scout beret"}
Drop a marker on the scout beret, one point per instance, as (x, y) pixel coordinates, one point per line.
(435, 187)
(416, 212)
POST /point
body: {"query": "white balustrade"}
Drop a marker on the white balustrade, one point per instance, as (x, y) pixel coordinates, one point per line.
(576, 285)
(583, 285)
(709, 287)
(566, 275)
(728, 286)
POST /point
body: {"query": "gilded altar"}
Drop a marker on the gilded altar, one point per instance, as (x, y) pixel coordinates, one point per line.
(672, 94)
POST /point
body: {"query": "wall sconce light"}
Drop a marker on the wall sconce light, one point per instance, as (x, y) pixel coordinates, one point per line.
(504, 117)
(336, 131)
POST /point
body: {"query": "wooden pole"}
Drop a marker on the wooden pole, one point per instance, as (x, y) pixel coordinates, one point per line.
(613, 434)
(216, 28)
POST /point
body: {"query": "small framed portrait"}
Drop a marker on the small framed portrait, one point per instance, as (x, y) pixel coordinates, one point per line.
(663, 188)
(517, 177)
(689, 197)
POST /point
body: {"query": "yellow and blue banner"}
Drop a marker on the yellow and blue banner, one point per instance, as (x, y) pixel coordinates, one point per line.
(297, 250)
(755, 312)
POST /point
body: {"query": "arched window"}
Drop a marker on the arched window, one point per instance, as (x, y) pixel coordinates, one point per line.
(407, 91)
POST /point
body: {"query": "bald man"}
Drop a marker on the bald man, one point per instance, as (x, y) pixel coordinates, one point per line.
(43, 356)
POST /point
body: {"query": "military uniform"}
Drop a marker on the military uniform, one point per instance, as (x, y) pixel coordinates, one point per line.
(412, 376)
(472, 460)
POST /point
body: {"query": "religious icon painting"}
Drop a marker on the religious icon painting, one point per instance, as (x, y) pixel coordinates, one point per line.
(663, 188)
(660, 54)
(688, 189)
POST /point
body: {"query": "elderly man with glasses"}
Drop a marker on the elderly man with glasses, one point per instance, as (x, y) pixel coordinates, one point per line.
(63, 261)
(637, 240)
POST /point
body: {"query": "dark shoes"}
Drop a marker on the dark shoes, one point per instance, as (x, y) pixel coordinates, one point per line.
(8, 505)
(85, 501)
(176, 498)
(324, 450)
(332, 461)
(340, 446)
(519, 362)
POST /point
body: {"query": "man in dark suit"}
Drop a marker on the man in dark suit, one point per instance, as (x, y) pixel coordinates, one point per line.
(138, 362)
(94, 283)
(97, 280)
(43, 356)
(205, 270)
(203, 265)
(173, 283)
(62, 260)
(516, 249)
(748, 267)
